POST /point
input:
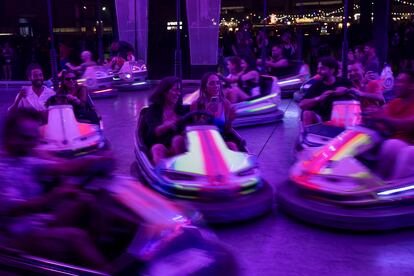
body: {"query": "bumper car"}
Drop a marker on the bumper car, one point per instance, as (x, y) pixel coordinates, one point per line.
(98, 80)
(142, 234)
(344, 114)
(132, 76)
(224, 185)
(64, 136)
(262, 109)
(337, 186)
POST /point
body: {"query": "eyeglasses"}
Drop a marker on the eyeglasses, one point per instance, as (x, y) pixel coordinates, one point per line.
(70, 79)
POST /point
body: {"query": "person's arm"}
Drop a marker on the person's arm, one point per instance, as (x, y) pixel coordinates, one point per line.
(406, 124)
(38, 204)
(251, 75)
(81, 100)
(370, 96)
(165, 127)
(156, 126)
(22, 94)
(75, 167)
(230, 114)
(74, 68)
(310, 101)
(281, 63)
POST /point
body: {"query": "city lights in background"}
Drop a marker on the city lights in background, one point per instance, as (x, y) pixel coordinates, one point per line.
(333, 17)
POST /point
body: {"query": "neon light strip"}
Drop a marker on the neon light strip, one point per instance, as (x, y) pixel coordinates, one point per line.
(139, 83)
(394, 191)
(348, 142)
(289, 81)
(102, 91)
(262, 99)
(214, 162)
(262, 108)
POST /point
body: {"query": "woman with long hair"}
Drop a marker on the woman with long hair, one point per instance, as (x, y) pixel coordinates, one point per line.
(164, 111)
(213, 100)
(233, 92)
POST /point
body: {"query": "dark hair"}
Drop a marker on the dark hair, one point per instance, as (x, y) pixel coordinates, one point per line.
(410, 74)
(158, 97)
(202, 99)
(237, 62)
(329, 62)
(14, 118)
(251, 64)
(31, 67)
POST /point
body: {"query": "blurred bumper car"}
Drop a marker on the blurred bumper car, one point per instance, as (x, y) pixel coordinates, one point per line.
(262, 109)
(338, 186)
(98, 80)
(142, 234)
(132, 76)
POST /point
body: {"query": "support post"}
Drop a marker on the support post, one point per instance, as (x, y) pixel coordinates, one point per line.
(345, 45)
(177, 61)
(53, 61)
(382, 17)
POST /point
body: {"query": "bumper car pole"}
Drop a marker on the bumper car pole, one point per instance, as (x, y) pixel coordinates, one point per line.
(177, 62)
(264, 47)
(53, 63)
(345, 40)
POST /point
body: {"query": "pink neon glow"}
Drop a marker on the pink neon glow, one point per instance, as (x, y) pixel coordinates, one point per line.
(345, 144)
(214, 162)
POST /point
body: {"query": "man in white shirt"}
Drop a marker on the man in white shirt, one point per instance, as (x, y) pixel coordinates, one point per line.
(35, 96)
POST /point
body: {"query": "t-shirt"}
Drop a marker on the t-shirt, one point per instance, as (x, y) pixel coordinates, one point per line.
(400, 109)
(372, 87)
(324, 109)
(32, 101)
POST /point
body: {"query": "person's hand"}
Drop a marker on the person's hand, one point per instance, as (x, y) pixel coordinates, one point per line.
(22, 93)
(340, 91)
(73, 99)
(370, 76)
(324, 95)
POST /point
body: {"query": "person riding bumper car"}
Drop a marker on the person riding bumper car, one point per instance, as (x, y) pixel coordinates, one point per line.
(224, 185)
(340, 186)
(262, 109)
